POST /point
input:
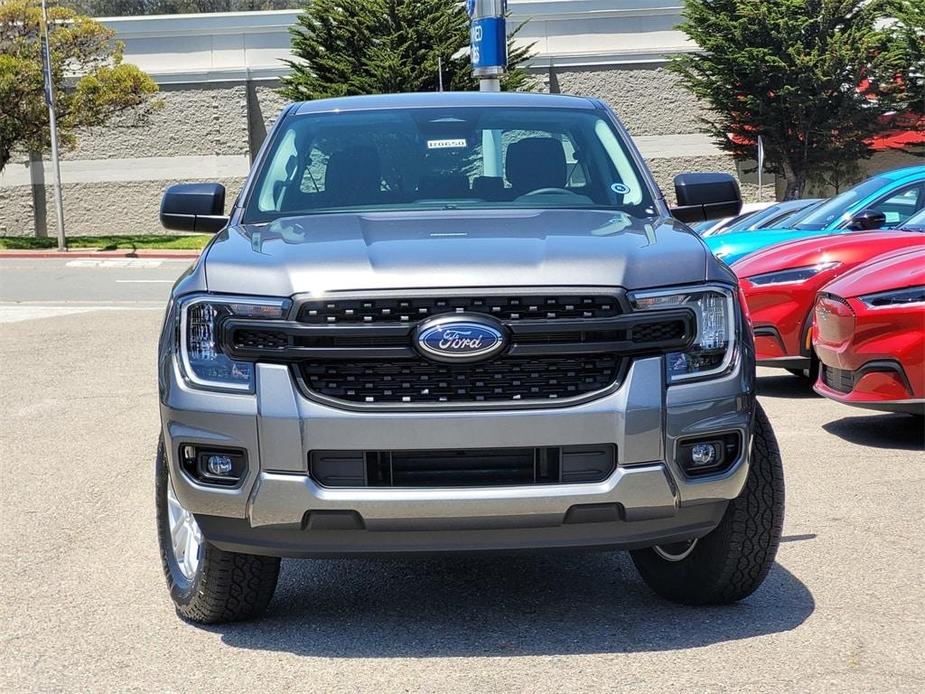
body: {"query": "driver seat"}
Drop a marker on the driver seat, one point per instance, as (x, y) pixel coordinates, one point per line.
(534, 163)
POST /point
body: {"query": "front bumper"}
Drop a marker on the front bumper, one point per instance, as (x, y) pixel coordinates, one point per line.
(878, 385)
(280, 510)
(873, 357)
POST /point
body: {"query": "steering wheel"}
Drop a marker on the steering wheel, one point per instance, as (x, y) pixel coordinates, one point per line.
(548, 191)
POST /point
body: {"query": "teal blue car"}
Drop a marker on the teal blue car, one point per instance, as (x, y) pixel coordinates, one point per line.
(881, 202)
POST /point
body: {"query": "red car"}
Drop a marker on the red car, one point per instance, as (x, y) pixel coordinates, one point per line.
(780, 286)
(869, 334)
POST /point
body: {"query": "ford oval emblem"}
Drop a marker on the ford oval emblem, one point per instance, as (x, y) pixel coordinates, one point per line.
(460, 338)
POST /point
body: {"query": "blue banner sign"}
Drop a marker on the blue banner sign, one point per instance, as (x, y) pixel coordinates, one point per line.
(489, 46)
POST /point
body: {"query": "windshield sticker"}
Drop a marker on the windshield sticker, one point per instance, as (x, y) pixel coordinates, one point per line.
(620, 189)
(446, 144)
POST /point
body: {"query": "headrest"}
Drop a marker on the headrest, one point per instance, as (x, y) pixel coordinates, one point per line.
(534, 163)
(353, 172)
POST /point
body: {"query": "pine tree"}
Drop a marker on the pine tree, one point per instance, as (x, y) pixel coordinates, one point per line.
(908, 46)
(347, 47)
(814, 78)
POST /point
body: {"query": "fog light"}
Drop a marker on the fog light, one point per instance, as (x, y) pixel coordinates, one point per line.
(222, 466)
(708, 456)
(703, 454)
(219, 465)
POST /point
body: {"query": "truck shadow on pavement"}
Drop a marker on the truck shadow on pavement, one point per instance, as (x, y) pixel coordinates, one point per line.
(571, 603)
(786, 386)
(896, 431)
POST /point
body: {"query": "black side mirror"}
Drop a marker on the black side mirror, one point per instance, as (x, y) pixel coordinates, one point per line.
(867, 219)
(703, 196)
(196, 207)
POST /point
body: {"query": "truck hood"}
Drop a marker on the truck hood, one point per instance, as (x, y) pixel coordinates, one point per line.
(453, 249)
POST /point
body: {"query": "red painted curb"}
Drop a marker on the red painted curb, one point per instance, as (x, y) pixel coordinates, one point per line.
(152, 254)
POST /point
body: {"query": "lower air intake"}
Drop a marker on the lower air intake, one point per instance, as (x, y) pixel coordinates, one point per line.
(475, 467)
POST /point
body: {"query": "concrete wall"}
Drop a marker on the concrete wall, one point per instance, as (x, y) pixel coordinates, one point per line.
(17, 213)
(114, 178)
(647, 97)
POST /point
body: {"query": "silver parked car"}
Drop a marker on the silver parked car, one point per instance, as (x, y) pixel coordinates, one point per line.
(458, 322)
(776, 216)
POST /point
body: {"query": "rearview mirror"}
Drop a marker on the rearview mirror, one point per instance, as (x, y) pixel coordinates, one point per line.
(703, 196)
(198, 207)
(867, 219)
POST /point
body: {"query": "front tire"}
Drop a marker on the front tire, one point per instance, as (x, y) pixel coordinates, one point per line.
(809, 374)
(207, 585)
(733, 560)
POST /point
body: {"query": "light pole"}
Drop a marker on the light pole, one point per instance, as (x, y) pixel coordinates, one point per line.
(53, 124)
(760, 166)
(488, 45)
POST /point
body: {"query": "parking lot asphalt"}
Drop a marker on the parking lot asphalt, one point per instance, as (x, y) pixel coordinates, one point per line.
(83, 603)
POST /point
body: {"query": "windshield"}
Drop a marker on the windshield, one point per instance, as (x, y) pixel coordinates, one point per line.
(794, 217)
(915, 223)
(773, 217)
(728, 225)
(447, 158)
(832, 211)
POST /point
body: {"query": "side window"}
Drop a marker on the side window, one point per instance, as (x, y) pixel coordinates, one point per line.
(280, 168)
(313, 178)
(577, 171)
(901, 204)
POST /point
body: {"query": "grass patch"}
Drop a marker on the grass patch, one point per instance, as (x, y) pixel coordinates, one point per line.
(127, 242)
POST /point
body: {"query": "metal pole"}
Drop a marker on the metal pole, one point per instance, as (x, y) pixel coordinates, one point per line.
(440, 72)
(53, 125)
(491, 139)
(488, 45)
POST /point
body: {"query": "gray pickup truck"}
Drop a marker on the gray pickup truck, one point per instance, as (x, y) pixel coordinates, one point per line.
(457, 322)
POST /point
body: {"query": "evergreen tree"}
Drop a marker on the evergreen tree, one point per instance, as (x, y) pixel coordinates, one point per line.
(908, 47)
(348, 47)
(814, 78)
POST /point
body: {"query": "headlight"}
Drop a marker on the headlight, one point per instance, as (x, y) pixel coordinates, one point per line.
(714, 348)
(897, 297)
(792, 275)
(201, 357)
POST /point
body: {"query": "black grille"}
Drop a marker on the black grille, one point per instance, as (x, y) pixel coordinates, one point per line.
(260, 339)
(658, 332)
(463, 467)
(364, 352)
(838, 379)
(420, 381)
(547, 307)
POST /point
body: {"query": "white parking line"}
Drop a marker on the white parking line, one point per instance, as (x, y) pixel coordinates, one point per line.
(115, 262)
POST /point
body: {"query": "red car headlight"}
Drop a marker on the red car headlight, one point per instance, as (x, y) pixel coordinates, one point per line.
(834, 319)
(791, 275)
(897, 297)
